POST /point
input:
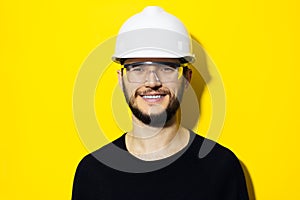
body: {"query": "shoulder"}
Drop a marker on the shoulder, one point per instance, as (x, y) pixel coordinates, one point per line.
(212, 152)
(88, 164)
(218, 164)
(104, 156)
(218, 160)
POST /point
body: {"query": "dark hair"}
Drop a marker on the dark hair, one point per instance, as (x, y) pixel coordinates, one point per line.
(181, 60)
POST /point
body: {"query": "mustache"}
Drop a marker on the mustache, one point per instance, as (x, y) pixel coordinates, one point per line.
(147, 91)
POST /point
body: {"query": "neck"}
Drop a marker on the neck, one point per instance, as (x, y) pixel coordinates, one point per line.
(154, 143)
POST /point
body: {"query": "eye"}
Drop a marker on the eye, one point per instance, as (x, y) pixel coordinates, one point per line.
(135, 69)
(168, 69)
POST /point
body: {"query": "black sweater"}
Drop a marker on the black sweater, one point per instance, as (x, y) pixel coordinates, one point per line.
(113, 173)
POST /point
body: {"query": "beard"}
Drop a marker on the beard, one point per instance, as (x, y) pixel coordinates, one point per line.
(158, 119)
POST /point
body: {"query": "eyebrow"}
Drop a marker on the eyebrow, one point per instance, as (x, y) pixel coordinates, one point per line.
(171, 64)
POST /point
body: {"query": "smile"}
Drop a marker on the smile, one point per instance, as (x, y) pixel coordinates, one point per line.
(152, 96)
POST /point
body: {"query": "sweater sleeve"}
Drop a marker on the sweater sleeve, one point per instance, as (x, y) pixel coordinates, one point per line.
(239, 187)
(84, 185)
(80, 181)
(241, 183)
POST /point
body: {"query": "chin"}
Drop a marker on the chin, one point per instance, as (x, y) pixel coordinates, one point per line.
(154, 110)
(159, 118)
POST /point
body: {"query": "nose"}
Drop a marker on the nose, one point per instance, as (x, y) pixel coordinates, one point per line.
(152, 80)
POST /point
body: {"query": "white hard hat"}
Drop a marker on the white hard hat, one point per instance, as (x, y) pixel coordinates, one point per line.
(153, 33)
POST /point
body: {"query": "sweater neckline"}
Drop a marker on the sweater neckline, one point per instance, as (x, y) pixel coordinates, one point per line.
(187, 150)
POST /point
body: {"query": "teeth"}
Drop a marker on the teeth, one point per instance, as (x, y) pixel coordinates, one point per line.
(152, 96)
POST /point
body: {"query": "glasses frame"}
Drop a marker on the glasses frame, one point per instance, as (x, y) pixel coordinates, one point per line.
(171, 64)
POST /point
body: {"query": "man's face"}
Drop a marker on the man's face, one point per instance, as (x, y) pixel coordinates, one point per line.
(151, 100)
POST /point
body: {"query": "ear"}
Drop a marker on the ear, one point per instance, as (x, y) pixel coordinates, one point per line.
(188, 78)
(120, 79)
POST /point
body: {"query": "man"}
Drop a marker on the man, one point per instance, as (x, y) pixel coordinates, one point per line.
(158, 158)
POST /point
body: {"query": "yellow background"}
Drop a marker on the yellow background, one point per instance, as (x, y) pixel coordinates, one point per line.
(254, 43)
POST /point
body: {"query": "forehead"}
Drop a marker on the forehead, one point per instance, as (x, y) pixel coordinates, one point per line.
(133, 60)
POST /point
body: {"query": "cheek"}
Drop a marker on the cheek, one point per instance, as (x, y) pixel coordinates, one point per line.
(174, 88)
(131, 92)
(129, 89)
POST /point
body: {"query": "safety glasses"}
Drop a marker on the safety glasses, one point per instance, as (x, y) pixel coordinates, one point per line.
(141, 72)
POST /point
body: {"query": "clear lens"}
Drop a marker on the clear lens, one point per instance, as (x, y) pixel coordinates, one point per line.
(141, 72)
